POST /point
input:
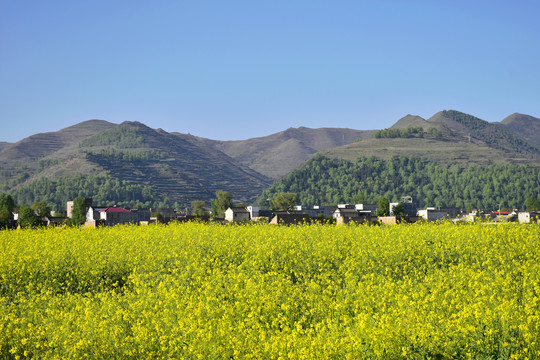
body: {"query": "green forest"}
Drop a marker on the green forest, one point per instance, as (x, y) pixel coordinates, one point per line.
(104, 189)
(331, 181)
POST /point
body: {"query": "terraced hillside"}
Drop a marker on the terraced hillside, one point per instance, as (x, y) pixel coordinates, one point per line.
(176, 166)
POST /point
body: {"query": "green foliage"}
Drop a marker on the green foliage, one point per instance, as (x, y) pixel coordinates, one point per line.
(104, 189)
(120, 137)
(398, 210)
(412, 132)
(323, 180)
(491, 134)
(221, 203)
(41, 209)
(78, 212)
(27, 217)
(360, 198)
(532, 204)
(283, 201)
(383, 206)
(198, 208)
(7, 202)
(5, 218)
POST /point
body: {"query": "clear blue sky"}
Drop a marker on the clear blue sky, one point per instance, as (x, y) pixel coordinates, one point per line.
(239, 69)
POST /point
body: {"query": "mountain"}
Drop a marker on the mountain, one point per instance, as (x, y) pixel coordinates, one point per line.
(177, 167)
(463, 125)
(525, 126)
(410, 121)
(3, 144)
(41, 145)
(462, 139)
(277, 154)
(456, 160)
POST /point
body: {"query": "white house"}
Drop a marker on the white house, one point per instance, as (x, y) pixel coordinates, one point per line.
(237, 214)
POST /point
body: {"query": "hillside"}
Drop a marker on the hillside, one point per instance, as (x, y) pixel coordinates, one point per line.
(463, 140)
(176, 167)
(277, 154)
(323, 180)
(525, 126)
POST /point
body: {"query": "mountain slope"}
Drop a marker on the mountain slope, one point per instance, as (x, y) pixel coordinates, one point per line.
(525, 126)
(467, 126)
(411, 121)
(277, 154)
(40, 145)
(176, 167)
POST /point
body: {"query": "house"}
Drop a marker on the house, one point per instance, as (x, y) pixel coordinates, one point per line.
(93, 213)
(434, 213)
(289, 219)
(318, 210)
(410, 207)
(253, 211)
(115, 215)
(529, 217)
(55, 220)
(370, 209)
(345, 212)
(237, 214)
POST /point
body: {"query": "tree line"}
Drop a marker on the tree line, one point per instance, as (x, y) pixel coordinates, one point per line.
(332, 181)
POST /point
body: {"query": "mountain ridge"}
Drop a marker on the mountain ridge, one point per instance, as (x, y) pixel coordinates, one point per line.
(184, 167)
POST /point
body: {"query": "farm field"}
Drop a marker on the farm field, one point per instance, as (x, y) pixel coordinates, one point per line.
(200, 291)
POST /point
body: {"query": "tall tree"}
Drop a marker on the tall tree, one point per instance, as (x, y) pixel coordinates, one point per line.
(27, 217)
(384, 206)
(532, 204)
(6, 210)
(198, 208)
(6, 202)
(221, 203)
(78, 212)
(41, 209)
(283, 201)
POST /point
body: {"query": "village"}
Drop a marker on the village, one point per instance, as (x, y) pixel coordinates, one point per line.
(402, 212)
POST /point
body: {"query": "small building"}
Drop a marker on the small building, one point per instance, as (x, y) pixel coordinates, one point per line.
(318, 210)
(115, 215)
(290, 219)
(366, 208)
(434, 214)
(93, 213)
(527, 217)
(253, 211)
(346, 212)
(237, 214)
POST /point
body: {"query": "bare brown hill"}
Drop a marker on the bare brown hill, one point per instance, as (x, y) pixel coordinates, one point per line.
(44, 144)
(525, 126)
(277, 154)
(178, 167)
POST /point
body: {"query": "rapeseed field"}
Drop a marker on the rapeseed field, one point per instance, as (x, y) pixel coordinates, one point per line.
(203, 291)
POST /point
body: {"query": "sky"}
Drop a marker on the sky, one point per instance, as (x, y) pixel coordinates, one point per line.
(231, 70)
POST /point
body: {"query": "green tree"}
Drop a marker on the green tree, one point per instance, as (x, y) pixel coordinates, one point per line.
(532, 204)
(221, 203)
(27, 217)
(41, 209)
(360, 198)
(398, 210)
(283, 201)
(199, 208)
(5, 218)
(78, 212)
(384, 206)
(6, 202)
